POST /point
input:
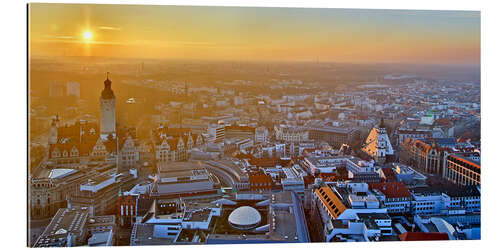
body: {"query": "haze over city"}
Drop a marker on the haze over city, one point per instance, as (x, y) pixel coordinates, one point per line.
(278, 34)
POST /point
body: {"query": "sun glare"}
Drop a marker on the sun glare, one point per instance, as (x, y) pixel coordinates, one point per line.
(87, 35)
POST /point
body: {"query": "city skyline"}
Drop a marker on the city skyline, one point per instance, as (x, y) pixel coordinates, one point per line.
(169, 125)
(237, 33)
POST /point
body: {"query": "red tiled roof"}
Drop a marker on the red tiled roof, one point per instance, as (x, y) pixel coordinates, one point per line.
(422, 145)
(389, 174)
(422, 236)
(443, 122)
(391, 189)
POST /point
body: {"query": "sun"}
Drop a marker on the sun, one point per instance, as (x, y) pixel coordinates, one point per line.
(87, 35)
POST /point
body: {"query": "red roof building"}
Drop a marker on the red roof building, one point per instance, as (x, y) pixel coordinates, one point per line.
(260, 181)
(392, 189)
(389, 175)
(422, 236)
(397, 196)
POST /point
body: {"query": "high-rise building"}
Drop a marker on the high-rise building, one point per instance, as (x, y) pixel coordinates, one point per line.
(73, 89)
(56, 89)
(216, 132)
(108, 110)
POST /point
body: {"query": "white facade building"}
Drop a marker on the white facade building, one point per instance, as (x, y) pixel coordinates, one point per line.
(377, 144)
(216, 132)
(73, 89)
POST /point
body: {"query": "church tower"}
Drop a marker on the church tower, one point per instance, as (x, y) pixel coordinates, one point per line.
(378, 145)
(53, 130)
(108, 110)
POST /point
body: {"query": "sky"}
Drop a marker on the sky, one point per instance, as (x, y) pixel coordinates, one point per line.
(244, 33)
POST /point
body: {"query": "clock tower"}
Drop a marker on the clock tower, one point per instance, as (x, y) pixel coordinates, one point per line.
(108, 110)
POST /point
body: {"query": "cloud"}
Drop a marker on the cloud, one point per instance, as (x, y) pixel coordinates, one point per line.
(64, 37)
(77, 41)
(110, 28)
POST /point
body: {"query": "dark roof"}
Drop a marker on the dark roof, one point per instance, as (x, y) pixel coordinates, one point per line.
(143, 205)
(421, 236)
(465, 160)
(107, 93)
(449, 189)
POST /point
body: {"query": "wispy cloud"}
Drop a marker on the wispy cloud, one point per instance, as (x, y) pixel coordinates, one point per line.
(62, 37)
(73, 40)
(110, 28)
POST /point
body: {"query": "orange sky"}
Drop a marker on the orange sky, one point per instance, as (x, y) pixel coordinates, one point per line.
(232, 33)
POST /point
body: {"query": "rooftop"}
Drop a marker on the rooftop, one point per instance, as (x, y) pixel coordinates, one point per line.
(391, 189)
(143, 234)
(244, 216)
(422, 236)
(66, 220)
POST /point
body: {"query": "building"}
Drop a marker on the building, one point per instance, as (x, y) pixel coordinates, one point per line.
(67, 228)
(461, 171)
(395, 196)
(173, 220)
(50, 189)
(402, 134)
(334, 136)
(56, 89)
(291, 133)
(100, 192)
(322, 164)
(426, 201)
(358, 170)
(244, 218)
(261, 135)
(73, 89)
(129, 152)
(461, 199)
(293, 180)
(108, 110)
(216, 133)
(407, 175)
(231, 145)
(127, 202)
(377, 144)
(446, 199)
(183, 179)
(53, 130)
(346, 213)
(174, 144)
(423, 236)
(79, 144)
(277, 218)
(102, 230)
(74, 144)
(239, 131)
(425, 157)
(260, 181)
